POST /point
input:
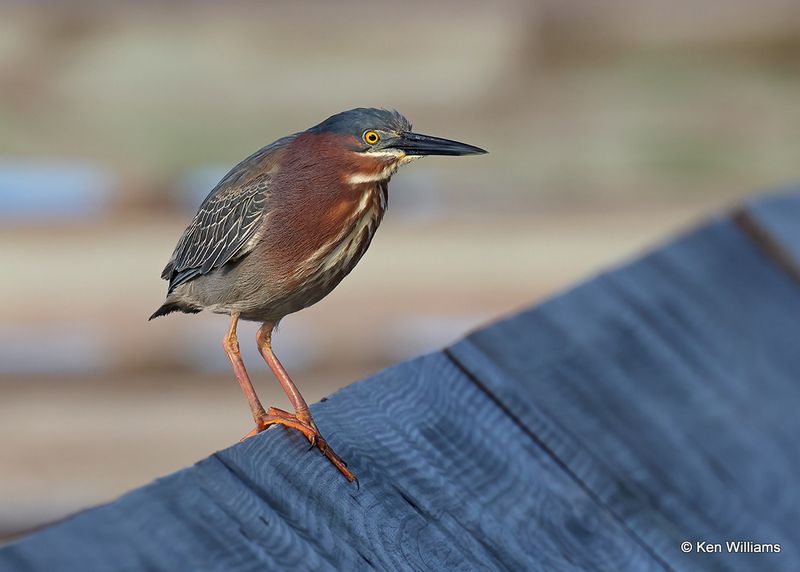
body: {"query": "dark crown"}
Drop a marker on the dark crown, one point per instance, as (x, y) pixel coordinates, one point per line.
(356, 121)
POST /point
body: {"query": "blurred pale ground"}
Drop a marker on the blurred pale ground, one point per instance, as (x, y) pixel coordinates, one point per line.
(611, 125)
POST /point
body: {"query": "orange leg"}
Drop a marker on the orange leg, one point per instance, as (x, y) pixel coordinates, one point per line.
(264, 339)
(231, 345)
(301, 420)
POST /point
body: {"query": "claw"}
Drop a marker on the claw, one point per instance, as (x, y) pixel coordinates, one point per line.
(308, 428)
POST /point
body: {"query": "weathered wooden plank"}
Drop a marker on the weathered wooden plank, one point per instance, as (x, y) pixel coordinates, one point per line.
(448, 482)
(670, 389)
(773, 223)
(654, 404)
(780, 213)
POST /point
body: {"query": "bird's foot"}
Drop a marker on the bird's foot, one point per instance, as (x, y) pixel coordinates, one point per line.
(305, 424)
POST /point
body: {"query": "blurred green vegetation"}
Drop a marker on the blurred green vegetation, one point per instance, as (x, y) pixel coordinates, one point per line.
(618, 100)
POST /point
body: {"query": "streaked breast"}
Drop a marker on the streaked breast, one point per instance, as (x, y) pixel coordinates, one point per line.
(337, 258)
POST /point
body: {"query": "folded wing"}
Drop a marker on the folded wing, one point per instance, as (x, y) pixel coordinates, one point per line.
(226, 226)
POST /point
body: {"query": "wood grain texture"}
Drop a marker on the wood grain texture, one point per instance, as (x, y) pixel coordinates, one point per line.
(670, 390)
(772, 223)
(778, 214)
(448, 481)
(654, 404)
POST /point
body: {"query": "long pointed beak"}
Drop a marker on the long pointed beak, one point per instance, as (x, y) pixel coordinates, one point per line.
(418, 144)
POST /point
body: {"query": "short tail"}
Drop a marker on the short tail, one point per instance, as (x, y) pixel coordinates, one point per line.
(168, 307)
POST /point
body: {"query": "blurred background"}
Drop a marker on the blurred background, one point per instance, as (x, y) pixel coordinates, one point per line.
(611, 126)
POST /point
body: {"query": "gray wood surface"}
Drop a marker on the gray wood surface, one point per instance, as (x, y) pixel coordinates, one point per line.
(654, 404)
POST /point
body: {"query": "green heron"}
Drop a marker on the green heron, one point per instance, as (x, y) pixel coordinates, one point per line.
(283, 228)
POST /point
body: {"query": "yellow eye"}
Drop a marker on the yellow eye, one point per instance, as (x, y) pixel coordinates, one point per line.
(371, 137)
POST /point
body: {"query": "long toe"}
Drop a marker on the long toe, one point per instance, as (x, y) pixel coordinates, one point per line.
(279, 417)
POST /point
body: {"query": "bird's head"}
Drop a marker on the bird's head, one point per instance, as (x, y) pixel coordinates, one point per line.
(378, 141)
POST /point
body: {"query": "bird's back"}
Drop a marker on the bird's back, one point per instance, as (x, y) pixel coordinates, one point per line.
(226, 224)
(228, 218)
